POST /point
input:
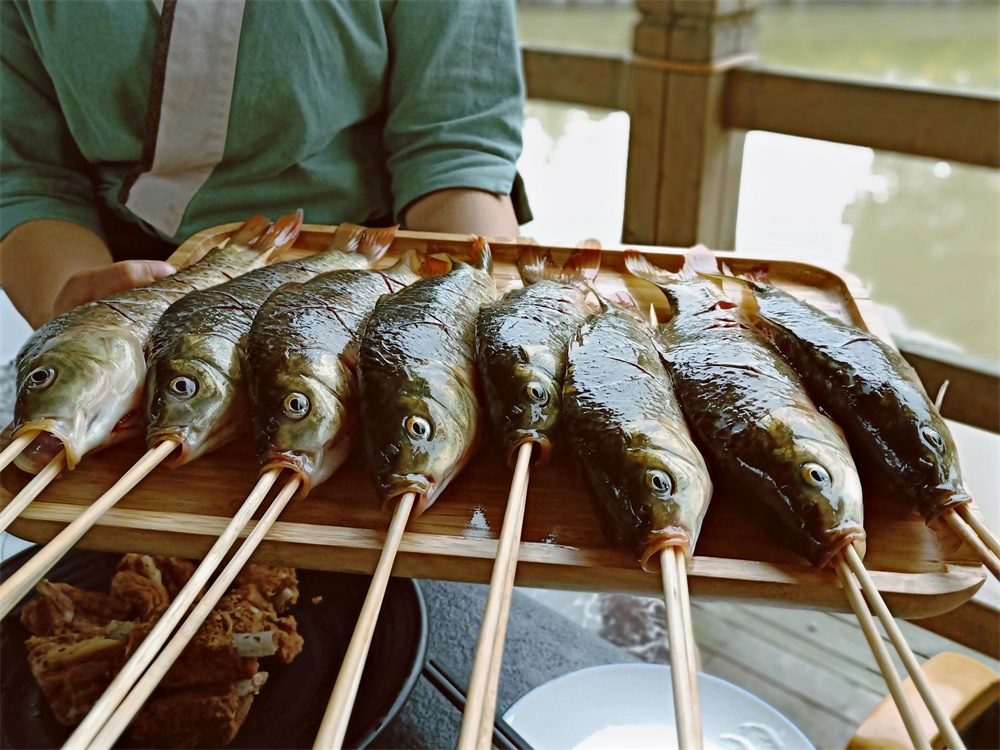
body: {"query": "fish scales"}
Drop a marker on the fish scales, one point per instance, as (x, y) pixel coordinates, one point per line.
(301, 368)
(627, 431)
(896, 433)
(751, 416)
(94, 356)
(521, 343)
(417, 376)
(195, 391)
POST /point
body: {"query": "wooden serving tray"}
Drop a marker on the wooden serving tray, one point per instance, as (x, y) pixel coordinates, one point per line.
(922, 571)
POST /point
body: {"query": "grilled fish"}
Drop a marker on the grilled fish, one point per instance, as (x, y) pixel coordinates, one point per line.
(80, 376)
(751, 416)
(195, 392)
(417, 378)
(521, 345)
(301, 368)
(896, 433)
(627, 432)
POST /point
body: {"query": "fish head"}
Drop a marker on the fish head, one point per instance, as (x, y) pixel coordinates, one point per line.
(418, 445)
(823, 482)
(937, 474)
(192, 401)
(78, 390)
(303, 414)
(525, 401)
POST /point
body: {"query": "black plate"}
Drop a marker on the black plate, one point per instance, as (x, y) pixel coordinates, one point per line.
(290, 706)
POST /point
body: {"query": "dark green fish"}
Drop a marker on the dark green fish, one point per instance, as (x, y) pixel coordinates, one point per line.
(80, 376)
(301, 368)
(751, 416)
(195, 392)
(521, 345)
(417, 374)
(622, 421)
(896, 433)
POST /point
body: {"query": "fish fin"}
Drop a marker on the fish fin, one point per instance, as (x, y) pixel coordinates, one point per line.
(589, 244)
(582, 267)
(699, 261)
(639, 265)
(371, 243)
(625, 300)
(482, 256)
(535, 264)
(279, 236)
(652, 316)
(436, 265)
(939, 399)
(761, 274)
(250, 230)
(412, 259)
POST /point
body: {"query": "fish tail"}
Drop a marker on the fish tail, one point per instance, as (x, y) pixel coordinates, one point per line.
(482, 256)
(279, 236)
(583, 265)
(371, 243)
(761, 274)
(639, 265)
(436, 265)
(699, 261)
(535, 264)
(250, 230)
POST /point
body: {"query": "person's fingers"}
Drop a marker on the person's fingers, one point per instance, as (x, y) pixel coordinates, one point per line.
(96, 283)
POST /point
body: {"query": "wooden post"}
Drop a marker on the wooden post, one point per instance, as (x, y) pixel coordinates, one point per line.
(684, 167)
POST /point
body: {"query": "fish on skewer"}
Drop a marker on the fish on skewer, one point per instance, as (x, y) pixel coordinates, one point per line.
(626, 430)
(895, 431)
(418, 380)
(195, 393)
(301, 368)
(751, 416)
(521, 343)
(80, 376)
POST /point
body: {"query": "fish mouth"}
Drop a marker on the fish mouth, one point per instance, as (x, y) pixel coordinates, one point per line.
(45, 447)
(176, 434)
(661, 540)
(398, 485)
(541, 452)
(295, 463)
(947, 498)
(839, 540)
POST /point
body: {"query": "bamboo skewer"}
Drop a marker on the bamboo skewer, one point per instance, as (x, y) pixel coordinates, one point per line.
(686, 716)
(16, 446)
(31, 490)
(22, 581)
(160, 633)
(881, 653)
(477, 721)
(338, 712)
(131, 703)
(968, 533)
(943, 721)
(964, 511)
(692, 648)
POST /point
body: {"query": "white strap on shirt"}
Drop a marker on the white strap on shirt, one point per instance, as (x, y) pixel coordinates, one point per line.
(194, 115)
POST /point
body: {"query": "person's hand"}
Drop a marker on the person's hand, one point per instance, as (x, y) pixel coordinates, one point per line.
(94, 283)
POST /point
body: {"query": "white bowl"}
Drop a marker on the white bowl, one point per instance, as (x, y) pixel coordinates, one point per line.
(625, 706)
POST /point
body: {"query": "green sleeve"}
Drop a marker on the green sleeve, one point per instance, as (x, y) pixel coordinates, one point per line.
(44, 174)
(455, 97)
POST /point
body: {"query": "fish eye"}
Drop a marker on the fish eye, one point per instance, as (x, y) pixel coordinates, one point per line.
(659, 482)
(41, 377)
(815, 475)
(933, 437)
(417, 427)
(183, 386)
(536, 393)
(296, 405)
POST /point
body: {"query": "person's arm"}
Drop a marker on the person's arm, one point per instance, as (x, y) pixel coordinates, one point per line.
(48, 267)
(463, 211)
(455, 103)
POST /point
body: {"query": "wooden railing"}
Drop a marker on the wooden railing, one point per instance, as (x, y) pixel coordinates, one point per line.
(692, 90)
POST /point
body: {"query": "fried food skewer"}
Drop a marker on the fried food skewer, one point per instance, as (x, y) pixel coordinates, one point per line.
(31, 490)
(21, 582)
(16, 446)
(875, 601)
(158, 636)
(338, 712)
(131, 703)
(480, 707)
(682, 669)
(881, 653)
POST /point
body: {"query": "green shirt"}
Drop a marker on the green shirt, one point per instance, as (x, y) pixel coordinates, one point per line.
(349, 110)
